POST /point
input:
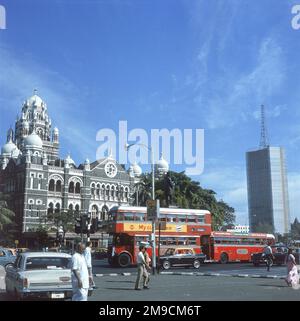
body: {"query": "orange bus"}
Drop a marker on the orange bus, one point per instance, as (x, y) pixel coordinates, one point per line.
(128, 227)
(227, 247)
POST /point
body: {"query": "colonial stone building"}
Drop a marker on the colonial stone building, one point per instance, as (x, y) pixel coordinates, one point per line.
(39, 181)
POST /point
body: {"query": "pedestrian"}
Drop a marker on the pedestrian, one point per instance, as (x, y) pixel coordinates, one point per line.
(268, 254)
(80, 275)
(292, 278)
(141, 263)
(147, 268)
(88, 257)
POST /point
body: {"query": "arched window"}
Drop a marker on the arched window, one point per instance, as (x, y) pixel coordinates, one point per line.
(107, 192)
(94, 211)
(57, 208)
(104, 213)
(51, 185)
(122, 194)
(58, 186)
(71, 207)
(77, 188)
(126, 194)
(93, 189)
(77, 208)
(50, 208)
(71, 187)
(102, 191)
(98, 190)
(112, 192)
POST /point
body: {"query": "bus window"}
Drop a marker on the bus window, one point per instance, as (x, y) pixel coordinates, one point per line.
(181, 218)
(168, 218)
(139, 239)
(191, 219)
(181, 241)
(119, 217)
(163, 241)
(172, 241)
(139, 217)
(128, 216)
(192, 241)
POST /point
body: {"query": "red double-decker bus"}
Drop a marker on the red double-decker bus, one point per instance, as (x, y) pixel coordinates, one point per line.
(128, 227)
(227, 247)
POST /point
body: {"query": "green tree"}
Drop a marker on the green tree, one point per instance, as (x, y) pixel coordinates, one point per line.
(187, 194)
(6, 215)
(63, 219)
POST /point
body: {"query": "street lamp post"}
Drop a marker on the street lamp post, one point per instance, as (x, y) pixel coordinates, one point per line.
(127, 146)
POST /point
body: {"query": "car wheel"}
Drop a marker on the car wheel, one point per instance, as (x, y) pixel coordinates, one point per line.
(9, 265)
(124, 260)
(196, 264)
(166, 265)
(224, 258)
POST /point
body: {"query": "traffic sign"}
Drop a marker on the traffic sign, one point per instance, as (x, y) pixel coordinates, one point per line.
(151, 209)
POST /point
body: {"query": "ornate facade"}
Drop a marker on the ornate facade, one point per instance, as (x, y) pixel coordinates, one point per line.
(39, 181)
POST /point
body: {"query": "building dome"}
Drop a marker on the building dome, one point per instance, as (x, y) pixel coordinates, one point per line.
(136, 169)
(87, 162)
(33, 140)
(162, 166)
(69, 160)
(35, 100)
(8, 148)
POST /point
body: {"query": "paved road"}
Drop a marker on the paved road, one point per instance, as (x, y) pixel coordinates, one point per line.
(191, 286)
(102, 267)
(188, 288)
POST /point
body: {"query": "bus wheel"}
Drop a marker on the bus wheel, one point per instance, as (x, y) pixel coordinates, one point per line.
(124, 260)
(224, 258)
(196, 264)
(166, 265)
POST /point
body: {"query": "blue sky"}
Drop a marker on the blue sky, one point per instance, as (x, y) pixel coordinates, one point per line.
(160, 64)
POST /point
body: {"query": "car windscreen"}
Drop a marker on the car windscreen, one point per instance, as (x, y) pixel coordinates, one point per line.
(47, 263)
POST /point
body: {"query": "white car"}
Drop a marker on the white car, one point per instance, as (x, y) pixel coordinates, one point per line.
(40, 275)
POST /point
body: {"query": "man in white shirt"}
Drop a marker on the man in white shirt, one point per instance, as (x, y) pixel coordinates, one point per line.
(88, 257)
(268, 255)
(80, 275)
(141, 263)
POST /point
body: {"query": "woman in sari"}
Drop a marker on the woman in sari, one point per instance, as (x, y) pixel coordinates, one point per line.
(292, 278)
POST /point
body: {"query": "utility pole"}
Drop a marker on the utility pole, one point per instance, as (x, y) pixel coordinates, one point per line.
(127, 146)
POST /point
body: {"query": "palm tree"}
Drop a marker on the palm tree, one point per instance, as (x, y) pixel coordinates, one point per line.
(6, 215)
